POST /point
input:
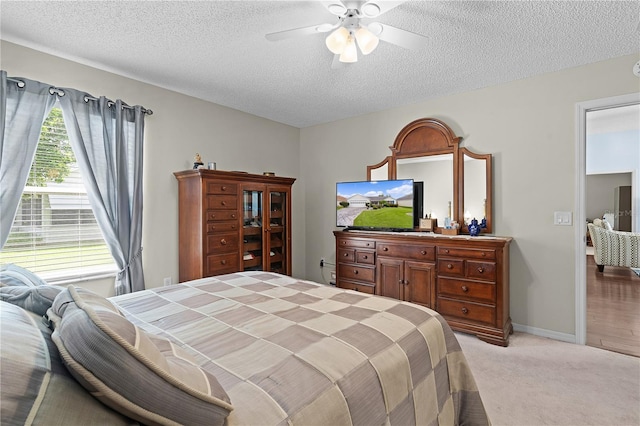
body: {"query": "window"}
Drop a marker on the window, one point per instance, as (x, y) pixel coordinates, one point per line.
(55, 233)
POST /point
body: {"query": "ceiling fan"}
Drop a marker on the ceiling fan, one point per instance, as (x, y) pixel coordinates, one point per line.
(353, 29)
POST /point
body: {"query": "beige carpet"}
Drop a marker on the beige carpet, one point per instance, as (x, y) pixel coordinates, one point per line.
(538, 381)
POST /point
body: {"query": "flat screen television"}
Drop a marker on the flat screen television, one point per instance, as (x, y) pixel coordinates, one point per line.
(387, 205)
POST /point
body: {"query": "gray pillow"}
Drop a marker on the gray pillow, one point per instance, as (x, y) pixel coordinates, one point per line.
(14, 275)
(35, 299)
(143, 376)
(36, 387)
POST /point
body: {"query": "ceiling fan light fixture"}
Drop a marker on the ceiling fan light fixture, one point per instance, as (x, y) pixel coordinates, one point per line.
(337, 41)
(370, 10)
(366, 40)
(337, 9)
(350, 53)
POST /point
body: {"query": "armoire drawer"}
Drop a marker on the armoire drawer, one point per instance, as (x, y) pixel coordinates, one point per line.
(222, 242)
(222, 188)
(226, 226)
(222, 202)
(222, 263)
(221, 215)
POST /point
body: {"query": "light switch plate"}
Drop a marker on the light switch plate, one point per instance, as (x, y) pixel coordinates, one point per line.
(563, 218)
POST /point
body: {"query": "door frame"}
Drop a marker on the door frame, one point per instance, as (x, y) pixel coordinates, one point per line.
(581, 217)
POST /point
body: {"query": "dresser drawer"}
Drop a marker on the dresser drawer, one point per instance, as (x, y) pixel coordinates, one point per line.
(346, 255)
(213, 227)
(356, 243)
(480, 270)
(350, 285)
(467, 311)
(467, 253)
(360, 273)
(366, 257)
(222, 188)
(451, 267)
(407, 251)
(222, 215)
(468, 290)
(222, 202)
(222, 263)
(222, 242)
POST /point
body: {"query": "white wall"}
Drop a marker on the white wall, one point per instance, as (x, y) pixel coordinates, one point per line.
(179, 127)
(529, 127)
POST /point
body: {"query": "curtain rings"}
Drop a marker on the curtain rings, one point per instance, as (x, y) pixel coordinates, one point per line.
(56, 91)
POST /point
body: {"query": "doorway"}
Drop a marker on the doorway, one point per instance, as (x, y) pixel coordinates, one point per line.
(598, 108)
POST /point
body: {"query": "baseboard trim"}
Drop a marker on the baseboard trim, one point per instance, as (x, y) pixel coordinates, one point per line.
(564, 337)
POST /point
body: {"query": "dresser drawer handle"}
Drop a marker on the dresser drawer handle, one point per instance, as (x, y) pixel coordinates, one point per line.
(365, 257)
(481, 269)
(355, 289)
(484, 254)
(223, 203)
(355, 271)
(223, 188)
(223, 262)
(233, 216)
(449, 266)
(343, 242)
(446, 251)
(465, 288)
(368, 244)
(385, 249)
(423, 252)
(346, 255)
(465, 311)
(223, 242)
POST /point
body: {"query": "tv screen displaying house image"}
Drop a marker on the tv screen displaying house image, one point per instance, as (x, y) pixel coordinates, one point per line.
(375, 205)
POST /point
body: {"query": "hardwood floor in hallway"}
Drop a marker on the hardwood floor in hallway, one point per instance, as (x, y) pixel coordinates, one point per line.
(613, 309)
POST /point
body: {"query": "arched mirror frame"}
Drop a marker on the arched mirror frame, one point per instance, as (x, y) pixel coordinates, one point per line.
(427, 137)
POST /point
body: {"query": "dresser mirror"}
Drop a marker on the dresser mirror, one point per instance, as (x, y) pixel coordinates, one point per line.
(457, 181)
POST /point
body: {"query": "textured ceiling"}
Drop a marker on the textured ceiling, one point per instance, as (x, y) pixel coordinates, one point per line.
(216, 50)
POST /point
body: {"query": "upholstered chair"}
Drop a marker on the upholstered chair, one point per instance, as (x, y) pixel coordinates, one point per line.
(614, 248)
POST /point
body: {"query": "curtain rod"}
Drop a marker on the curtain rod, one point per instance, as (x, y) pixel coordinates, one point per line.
(87, 98)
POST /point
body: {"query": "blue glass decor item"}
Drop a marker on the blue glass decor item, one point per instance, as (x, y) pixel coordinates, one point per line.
(474, 228)
(483, 223)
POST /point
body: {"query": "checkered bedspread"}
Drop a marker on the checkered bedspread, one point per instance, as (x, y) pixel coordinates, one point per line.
(289, 351)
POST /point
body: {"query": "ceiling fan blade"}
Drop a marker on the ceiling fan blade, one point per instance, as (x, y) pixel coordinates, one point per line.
(393, 35)
(373, 8)
(296, 32)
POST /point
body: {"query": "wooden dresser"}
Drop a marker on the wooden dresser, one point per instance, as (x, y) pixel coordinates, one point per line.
(233, 221)
(465, 279)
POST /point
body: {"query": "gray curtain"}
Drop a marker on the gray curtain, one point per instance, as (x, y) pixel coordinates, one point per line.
(107, 139)
(22, 113)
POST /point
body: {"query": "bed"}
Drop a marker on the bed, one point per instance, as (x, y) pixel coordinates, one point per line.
(249, 348)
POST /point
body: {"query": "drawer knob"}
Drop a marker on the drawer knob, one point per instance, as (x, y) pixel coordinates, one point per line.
(356, 289)
(223, 188)
(223, 262)
(480, 269)
(385, 249)
(223, 203)
(465, 288)
(346, 255)
(223, 242)
(365, 257)
(449, 266)
(446, 251)
(423, 252)
(465, 311)
(355, 271)
(343, 242)
(484, 254)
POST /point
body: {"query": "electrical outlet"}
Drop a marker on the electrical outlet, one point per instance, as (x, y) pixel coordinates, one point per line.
(167, 281)
(322, 262)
